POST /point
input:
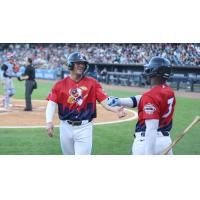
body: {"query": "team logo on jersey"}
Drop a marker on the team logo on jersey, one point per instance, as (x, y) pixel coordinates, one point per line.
(76, 95)
(149, 108)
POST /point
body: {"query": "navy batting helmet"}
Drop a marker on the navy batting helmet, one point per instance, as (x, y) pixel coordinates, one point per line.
(76, 57)
(158, 67)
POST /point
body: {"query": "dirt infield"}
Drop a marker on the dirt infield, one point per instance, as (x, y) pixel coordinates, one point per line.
(17, 117)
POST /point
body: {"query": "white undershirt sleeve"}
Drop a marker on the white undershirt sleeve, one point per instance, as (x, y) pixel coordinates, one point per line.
(50, 110)
(130, 102)
(150, 135)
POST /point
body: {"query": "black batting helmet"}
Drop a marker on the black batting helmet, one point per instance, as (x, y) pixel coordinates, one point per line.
(158, 67)
(76, 57)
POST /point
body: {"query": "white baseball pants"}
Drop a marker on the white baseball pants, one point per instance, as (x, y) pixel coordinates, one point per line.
(8, 85)
(162, 142)
(76, 140)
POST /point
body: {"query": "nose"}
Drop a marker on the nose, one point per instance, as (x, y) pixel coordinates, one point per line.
(80, 64)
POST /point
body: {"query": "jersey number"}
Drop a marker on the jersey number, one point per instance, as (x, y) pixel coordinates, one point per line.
(170, 103)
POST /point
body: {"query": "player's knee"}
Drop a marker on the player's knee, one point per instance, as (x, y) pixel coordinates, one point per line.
(11, 92)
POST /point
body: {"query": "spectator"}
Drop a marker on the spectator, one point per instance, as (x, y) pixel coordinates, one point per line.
(103, 75)
(52, 55)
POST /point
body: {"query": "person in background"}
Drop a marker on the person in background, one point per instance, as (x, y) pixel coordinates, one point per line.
(30, 84)
(7, 82)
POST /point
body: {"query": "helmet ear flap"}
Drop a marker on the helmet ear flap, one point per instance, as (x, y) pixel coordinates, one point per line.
(70, 66)
(86, 69)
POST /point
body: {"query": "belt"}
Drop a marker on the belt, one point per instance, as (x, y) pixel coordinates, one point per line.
(77, 123)
(160, 133)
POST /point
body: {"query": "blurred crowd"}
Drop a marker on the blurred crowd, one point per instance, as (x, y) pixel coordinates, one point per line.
(51, 56)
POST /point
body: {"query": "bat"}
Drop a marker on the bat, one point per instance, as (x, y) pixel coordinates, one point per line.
(178, 138)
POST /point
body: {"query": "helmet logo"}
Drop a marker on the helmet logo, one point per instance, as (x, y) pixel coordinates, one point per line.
(81, 56)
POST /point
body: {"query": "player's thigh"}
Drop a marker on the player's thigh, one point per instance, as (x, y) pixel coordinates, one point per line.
(162, 143)
(66, 139)
(138, 146)
(83, 140)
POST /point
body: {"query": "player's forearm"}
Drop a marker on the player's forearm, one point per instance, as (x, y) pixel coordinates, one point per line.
(24, 77)
(50, 110)
(150, 136)
(130, 102)
(107, 107)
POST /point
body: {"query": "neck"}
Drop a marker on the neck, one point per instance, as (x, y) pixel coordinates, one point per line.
(76, 77)
(156, 81)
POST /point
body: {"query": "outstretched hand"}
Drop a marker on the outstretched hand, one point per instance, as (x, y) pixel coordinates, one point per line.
(120, 112)
(113, 101)
(19, 78)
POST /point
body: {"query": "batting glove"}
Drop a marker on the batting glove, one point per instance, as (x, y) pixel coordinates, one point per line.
(113, 101)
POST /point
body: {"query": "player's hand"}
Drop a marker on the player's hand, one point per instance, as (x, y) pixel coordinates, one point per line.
(50, 129)
(19, 78)
(113, 101)
(120, 112)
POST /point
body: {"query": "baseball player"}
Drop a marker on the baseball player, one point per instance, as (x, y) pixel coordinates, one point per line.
(75, 96)
(9, 89)
(155, 109)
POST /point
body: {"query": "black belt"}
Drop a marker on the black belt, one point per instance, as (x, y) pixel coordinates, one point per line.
(165, 133)
(76, 123)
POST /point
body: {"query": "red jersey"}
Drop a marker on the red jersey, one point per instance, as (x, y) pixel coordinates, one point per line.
(157, 103)
(77, 100)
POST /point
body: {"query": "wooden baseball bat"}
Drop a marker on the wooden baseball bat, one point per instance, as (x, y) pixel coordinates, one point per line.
(195, 121)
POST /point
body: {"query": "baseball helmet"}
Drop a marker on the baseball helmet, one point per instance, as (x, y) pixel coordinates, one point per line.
(158, 67)
(76, 57)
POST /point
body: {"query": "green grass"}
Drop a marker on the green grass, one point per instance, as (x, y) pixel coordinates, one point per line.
(40, 93)
(115, 139)
(28, 142)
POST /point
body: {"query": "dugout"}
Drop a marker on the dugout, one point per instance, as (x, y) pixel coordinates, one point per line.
(183, 77)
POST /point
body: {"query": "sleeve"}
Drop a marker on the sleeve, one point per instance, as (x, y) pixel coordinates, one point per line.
(100, 94)
(25, 72)
(149, 108)
(53, 96)
(4, 67)
(50, 110)
(150, 136)
(128, 102)
(136, 100)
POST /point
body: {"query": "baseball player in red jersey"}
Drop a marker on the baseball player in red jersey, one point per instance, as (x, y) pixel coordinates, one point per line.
(75, 96)
(155, 109)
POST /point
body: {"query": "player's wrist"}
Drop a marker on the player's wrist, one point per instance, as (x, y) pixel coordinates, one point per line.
(48, 124)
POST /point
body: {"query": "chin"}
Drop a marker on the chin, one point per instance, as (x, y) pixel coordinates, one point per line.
(79, 74)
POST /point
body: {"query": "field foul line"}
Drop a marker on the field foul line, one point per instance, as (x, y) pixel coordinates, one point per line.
(98, 123)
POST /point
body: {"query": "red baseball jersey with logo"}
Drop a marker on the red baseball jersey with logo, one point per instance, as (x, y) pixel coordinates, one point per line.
(157, 103)
(77, 100)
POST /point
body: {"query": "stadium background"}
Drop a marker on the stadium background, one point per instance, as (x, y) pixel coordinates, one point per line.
(113, 64)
